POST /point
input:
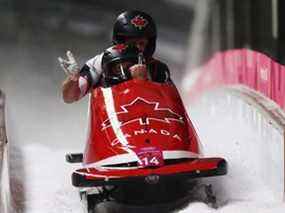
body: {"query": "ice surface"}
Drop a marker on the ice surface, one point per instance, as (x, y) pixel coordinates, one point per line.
(49, 186)
(230, 128)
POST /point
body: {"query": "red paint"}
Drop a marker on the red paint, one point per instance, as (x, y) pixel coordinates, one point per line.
(198, 164)
(139, 22)
(148, 114)
(120, 47)
(144, 124)
(263, 74)
(250, 68)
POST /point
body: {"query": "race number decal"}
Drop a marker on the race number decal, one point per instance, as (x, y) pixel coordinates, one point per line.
(150, 157)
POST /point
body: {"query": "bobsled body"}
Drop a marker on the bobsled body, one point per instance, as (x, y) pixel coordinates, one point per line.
(138, 116)
(140, 139)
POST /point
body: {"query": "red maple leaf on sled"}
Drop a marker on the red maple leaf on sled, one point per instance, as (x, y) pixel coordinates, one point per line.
(143, 111)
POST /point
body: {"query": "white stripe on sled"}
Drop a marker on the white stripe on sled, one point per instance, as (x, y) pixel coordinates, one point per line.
(115, 123)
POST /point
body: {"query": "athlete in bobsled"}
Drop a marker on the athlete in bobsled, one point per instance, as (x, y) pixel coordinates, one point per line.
(131, 27)
(142, 148)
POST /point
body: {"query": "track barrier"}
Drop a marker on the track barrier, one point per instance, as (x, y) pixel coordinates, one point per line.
(5, 206)
(259, 81)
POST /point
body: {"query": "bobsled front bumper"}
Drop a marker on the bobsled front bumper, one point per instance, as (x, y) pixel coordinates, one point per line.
(197, 168)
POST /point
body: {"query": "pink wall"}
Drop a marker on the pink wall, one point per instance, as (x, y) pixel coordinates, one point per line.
(243, 67)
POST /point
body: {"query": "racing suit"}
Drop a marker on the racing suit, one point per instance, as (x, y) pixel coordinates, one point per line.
(90, 73)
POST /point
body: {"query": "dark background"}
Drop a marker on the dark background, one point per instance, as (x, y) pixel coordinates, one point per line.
(253, 24)
(37, 32)
(40, 31)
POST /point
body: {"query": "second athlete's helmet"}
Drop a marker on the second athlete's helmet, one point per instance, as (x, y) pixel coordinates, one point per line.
(116, 61)
(135, 24)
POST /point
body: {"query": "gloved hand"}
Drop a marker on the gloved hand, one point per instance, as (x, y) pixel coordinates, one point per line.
(70, 65)
(139, 71)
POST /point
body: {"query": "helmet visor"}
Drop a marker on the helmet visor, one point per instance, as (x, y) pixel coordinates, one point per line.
(121, 69)
(118, 72)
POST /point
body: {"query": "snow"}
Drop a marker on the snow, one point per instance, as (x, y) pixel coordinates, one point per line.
(43, 177)
(47, 181)
(229, 127)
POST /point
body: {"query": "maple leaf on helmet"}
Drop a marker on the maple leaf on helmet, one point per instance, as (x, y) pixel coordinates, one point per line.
(139, 22)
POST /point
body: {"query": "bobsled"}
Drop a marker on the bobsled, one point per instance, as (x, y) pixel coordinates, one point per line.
(141, 147)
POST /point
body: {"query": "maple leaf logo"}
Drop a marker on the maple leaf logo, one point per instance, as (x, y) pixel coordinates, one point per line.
(120, 47)
(139, 22)
(143, 111)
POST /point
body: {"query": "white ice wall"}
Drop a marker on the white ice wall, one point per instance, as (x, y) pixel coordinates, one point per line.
(232, 128)
(5, 204)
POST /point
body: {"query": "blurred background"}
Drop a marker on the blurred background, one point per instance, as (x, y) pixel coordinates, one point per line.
(34, 33)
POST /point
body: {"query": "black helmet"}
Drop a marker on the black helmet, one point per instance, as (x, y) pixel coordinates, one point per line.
(136, 24)
(122, 55)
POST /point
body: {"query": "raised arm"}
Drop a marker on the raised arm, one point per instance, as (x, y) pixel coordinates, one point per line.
(79, 81)
(70, 86)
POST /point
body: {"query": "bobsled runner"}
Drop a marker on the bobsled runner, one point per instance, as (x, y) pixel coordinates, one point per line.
(142, 148)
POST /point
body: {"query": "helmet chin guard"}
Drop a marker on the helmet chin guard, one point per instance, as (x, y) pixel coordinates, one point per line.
(116, 62)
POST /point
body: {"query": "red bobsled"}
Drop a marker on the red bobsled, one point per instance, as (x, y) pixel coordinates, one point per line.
(140, 137)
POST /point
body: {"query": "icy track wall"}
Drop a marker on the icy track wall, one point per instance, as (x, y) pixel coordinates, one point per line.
(258, 82)
(5, 206)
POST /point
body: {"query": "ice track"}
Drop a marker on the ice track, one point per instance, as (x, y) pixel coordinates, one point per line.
(41, 178)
